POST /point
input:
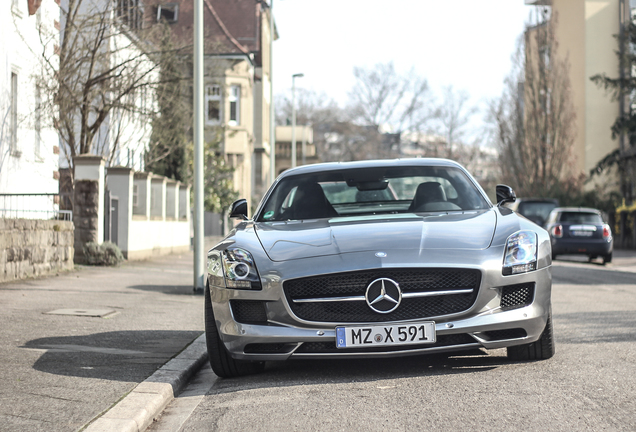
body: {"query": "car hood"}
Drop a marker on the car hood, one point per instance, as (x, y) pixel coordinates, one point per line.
(289, 240)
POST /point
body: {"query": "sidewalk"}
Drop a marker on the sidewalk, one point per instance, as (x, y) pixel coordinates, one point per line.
(73, 345)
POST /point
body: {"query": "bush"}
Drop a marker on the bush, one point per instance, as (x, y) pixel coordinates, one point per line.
(106, 254)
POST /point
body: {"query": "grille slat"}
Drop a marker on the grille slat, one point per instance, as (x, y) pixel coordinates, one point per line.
(355, 284)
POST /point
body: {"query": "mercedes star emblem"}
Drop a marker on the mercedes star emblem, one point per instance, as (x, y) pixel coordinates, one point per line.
(383, 295)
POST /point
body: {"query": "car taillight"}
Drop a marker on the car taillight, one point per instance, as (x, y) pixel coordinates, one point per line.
(607, 233)
(557, 231)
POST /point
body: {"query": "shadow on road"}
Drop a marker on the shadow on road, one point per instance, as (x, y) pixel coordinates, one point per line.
(166, 289)
(594, 275)
(119, 356)
(311, 372)
(595, 327)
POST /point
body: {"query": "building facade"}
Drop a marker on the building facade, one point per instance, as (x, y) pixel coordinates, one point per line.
(102, 42)
(586, 35)
(237, 81)
(29, 145)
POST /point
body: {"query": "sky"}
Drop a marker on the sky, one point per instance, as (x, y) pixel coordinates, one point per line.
(463, 43)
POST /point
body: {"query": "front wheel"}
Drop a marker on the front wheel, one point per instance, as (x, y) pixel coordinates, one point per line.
(221, 361)
(542, 349)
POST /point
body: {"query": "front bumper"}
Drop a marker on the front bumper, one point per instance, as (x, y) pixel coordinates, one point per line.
(485, 325)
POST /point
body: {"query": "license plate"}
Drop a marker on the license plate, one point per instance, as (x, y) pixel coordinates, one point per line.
(582, 233)
(382, 335)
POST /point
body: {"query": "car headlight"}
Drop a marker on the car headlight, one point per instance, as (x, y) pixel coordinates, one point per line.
(239, 269)
(521, 253)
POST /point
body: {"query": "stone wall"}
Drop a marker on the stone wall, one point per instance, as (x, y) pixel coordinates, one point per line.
(85, 216)
(34, 247)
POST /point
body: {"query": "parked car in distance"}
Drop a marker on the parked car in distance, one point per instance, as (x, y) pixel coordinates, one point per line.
(375, 259)
(582, 231)
(535, 209)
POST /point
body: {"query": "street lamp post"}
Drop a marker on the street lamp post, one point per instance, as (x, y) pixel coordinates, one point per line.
(272, 112)
(199, 253)
(293, 152)
(304, 144)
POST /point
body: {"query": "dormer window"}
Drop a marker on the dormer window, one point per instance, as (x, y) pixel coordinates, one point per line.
(169, 12)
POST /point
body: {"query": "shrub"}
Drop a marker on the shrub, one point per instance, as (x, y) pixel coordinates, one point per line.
(106, 254)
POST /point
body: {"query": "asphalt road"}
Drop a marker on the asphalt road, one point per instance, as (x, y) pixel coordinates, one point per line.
(590, 384)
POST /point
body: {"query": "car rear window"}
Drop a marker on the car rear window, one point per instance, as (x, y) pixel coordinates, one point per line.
(581, 218)
(536, 208)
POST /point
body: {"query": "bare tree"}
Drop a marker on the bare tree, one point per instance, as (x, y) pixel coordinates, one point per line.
(105, 68)
(383, 98)
(311, 108)
(453, 118)
(535, 117)
(336, 137)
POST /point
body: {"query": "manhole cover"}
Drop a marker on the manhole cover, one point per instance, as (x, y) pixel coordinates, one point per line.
(99, 313)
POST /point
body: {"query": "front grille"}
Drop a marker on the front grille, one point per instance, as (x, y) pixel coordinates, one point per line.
(516, 296)
(495, 335)
(268, 348)
(248, 311)
(355, 284)
(330, 347)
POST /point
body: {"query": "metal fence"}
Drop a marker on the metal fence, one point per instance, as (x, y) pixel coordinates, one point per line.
(33, 206)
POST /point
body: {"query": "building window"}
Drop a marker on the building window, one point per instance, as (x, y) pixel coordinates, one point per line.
(13, 121)
(213, 104)
(37, 123)
(235, 105)
(169, 12)
(130, 12)
(135, 195)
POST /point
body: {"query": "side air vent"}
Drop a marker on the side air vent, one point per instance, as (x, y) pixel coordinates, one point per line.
(517, 296)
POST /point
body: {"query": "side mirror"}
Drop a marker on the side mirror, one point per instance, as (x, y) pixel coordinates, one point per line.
(505, 194)
(238, 209)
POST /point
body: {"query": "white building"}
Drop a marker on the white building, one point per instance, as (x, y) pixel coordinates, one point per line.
(28, 144)
(123, 135)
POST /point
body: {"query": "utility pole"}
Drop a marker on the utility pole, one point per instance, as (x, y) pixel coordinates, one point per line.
(272, 120)
(199, 258)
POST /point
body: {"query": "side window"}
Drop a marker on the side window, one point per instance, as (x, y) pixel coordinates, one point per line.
(235, 105)
(213, 104)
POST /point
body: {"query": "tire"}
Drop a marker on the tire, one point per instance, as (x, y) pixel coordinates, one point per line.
(607, 258)
(542, 349)
(221, 361)
(554, 256)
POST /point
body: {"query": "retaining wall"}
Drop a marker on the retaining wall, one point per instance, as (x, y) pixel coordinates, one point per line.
(34, 247)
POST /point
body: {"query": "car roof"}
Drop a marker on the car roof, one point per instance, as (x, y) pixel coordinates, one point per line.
(380, 163)
(577, 209)
(543, 200)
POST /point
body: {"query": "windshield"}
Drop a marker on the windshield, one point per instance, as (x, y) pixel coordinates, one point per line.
(372, 191)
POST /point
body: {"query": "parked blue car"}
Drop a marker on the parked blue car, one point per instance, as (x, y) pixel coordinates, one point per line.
(580, 231)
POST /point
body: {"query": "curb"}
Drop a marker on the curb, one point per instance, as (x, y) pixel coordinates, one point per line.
(136, 411)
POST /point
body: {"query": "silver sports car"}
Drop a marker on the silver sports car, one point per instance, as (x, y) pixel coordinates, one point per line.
(377, 259)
